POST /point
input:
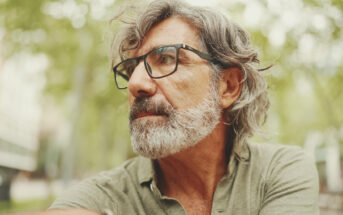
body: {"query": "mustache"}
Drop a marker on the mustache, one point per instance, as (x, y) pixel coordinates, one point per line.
(147, 105)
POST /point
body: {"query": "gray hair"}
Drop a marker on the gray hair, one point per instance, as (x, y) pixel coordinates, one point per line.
(224, 40)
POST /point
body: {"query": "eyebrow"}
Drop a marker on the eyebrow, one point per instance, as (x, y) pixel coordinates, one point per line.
(183, 54)
(149, 48)
(164, 48)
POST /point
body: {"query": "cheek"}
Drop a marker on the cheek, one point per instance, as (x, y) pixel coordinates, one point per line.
(186, 89)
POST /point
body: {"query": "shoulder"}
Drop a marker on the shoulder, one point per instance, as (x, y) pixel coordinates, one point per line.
(269, 151)
(276, 160)
(289, 179)
(119, 174)
(268, 162)
(271, 156)
(99, 191)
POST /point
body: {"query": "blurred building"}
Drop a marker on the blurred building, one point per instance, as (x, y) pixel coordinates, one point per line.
(325, 149)
(21, 84)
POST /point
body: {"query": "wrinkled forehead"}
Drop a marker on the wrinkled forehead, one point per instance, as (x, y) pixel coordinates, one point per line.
(173, 30)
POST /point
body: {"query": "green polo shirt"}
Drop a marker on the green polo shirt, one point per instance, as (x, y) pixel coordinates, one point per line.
(261, 179)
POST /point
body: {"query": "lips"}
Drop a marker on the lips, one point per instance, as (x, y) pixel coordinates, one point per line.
(145, 114)
(145, 107)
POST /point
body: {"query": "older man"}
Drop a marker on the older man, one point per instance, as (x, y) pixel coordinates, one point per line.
(195, 96)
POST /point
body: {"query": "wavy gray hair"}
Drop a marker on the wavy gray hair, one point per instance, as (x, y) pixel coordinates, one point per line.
(222, 39)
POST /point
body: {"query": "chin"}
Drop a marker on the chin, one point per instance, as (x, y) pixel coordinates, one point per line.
(158, 144)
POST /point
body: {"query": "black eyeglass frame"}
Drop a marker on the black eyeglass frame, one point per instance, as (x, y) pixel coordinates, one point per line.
(203, 55)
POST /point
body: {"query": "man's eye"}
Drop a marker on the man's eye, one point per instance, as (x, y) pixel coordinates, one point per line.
(126, 69)
(129, 70)
(167, 59)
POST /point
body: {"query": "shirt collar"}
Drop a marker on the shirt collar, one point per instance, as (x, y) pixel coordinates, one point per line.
(241, 152)
(146, 171)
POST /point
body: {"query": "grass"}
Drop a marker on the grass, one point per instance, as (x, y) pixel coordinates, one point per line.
(25, 206)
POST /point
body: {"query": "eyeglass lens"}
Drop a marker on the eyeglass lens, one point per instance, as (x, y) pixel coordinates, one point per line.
(160, 62)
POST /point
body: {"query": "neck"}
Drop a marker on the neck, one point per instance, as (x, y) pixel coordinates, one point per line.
(196, 171)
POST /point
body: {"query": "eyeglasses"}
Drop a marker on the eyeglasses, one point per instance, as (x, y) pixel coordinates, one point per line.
(159, 63)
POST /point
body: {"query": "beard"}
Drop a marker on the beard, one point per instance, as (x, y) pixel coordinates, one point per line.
(173, 130)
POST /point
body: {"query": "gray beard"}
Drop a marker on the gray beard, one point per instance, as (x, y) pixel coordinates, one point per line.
(176, 131)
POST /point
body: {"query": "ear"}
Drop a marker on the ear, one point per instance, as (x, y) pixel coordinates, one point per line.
(230, 86)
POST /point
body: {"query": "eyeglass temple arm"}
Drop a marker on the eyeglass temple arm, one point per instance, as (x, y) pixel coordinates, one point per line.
(201, 54)
(206, 56)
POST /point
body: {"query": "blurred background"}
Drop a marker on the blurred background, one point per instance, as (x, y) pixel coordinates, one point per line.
(62, 118)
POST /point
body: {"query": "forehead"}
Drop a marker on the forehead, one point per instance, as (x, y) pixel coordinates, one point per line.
(172, 30)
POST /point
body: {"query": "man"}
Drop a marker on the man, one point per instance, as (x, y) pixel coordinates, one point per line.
(195, 97)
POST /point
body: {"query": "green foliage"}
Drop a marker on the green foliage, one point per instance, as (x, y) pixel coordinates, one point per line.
(80, 84)
(305, 88)
(79, 78)
(26, 206)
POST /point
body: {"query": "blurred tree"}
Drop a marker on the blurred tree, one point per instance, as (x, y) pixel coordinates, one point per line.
(79, 79)
(302, 39)
(304, 42)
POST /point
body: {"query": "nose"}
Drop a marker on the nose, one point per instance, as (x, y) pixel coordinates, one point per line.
(140, 84)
